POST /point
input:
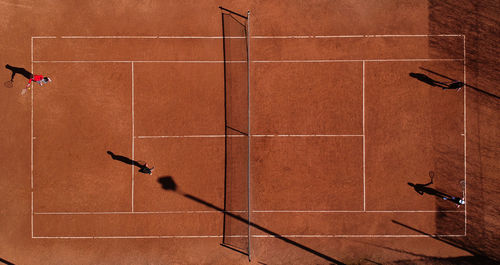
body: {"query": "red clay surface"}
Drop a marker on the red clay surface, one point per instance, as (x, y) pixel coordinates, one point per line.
(334, 140)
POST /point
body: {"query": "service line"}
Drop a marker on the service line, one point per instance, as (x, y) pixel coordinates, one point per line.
(253, 135)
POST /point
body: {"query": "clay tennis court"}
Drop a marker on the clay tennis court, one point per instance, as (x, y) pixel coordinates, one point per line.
(283, 135)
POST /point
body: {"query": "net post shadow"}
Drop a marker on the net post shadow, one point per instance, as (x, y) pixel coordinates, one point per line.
(169, 184)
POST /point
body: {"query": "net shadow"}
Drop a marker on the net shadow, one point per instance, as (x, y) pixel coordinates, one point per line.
(169, 184)
(6, 262)
(478, 257)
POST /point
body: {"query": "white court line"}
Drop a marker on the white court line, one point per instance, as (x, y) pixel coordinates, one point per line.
(219, 236)
(132, 61)
(44, 37)
(355, 60)
(121, 237)
(31, 141)
(364, 155)
(149, 37)
(322, 236)
(31, 173)
(253, 135)
(355, 211)
(253, 211)
(255, 37)
(256, 61)
(465, 140)
(31, 214)
(124, 213)
(352, 36)
(306, 135)
(133, 135)
(186, 136)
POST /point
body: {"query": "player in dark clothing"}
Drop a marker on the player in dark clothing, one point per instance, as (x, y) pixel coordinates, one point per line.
(458, 201)
(455, 85)
(146, 169)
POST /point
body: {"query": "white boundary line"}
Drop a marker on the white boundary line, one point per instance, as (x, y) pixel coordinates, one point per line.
(149, 37)
(256, 37)
(31, 141)
(320, 236)
(354, 36)
(364, 155)
(134, 61)
(32, 214)
(219, 236)
(122, 237)
(256, 61)
(357, 211)
(253, 135)
(133, 134)
(356, 60)
(465, 141)
(306, 135)
(286, 61)
(184, 136)
(44, 37)
(31, 177)
(242, 211)
(133, 213)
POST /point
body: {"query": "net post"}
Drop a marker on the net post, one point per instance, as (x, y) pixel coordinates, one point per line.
(247, 30)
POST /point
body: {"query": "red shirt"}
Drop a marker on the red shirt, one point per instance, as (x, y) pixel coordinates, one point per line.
(36, 78)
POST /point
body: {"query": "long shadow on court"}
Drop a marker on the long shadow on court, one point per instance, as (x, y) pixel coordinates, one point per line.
(6, 262)
(143, 168)
(168, 183)
(428, 80)
(473, 87)
(478, 256)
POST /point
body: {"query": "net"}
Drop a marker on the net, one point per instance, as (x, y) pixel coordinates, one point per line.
(236, 232)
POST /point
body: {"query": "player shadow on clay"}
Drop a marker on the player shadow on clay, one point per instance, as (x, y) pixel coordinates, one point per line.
(168, 184)
(422, 188)
(481, 91)
(18, 70)
(143, 168)
(428, 80)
